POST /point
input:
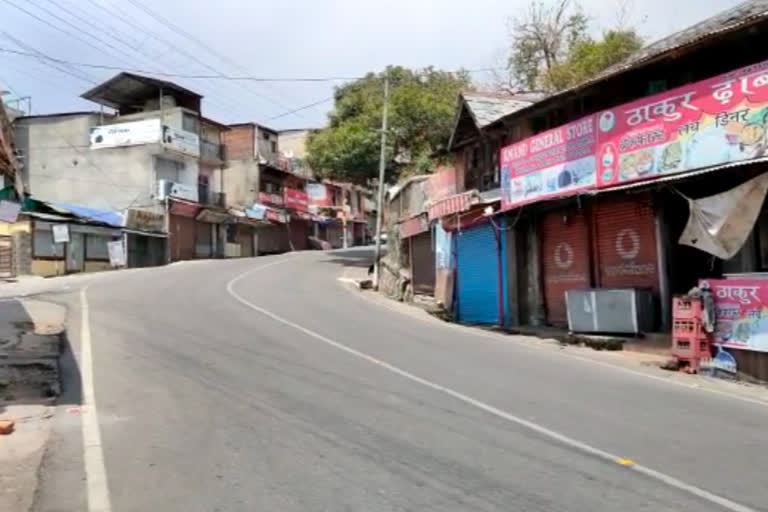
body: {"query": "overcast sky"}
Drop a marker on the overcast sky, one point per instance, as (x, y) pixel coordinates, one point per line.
(282, 38)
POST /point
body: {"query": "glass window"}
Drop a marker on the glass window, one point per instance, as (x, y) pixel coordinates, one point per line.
(44, 247)
(96, 247)
(190, 123)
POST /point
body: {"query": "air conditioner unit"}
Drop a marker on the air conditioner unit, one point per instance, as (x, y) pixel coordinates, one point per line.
(163, 189)
(610, 310)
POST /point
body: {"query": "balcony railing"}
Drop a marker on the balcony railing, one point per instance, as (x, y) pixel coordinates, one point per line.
(211, 151)
(207, 197)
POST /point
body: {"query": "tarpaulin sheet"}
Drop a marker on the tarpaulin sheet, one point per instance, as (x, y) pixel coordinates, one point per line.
(720, 224)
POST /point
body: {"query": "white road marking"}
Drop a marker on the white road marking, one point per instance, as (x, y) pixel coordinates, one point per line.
(540, 345)
(535, 427)
(95, 471)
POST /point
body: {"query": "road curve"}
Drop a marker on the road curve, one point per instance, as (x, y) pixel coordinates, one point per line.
(265, 384)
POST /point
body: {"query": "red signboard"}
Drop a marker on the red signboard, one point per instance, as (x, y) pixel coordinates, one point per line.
(319, 195)
(296, 199)
(712, 122)
(275, 199)
(554, 163)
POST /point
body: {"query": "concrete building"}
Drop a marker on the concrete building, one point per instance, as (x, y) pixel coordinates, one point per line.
(156, 153)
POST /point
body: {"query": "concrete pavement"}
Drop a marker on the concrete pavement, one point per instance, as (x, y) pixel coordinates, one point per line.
(264, 384)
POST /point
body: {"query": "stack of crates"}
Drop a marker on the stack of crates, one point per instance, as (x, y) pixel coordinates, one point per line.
(690, 342)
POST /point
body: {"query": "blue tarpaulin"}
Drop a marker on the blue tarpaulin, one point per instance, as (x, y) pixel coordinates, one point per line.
(104, 216)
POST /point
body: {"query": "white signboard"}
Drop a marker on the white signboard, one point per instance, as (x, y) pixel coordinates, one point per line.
(60, 233)
(181, 141)
(116, 253)
(146, 131)
(9, 211)
(182, 191)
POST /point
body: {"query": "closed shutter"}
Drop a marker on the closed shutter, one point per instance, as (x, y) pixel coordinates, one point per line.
(245, 239)
(477, 267)
(299, 232)
(182, 237)
(422, 263)
(565, 260)
(203, 240)
(626, 243)
(6, 256)
(272, 239)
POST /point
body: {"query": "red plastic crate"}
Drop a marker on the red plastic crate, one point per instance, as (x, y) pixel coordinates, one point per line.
(690, 348)
(688, 328)
(684, 307)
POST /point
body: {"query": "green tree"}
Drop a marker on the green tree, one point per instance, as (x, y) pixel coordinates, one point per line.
(422, 106)
(551, 47)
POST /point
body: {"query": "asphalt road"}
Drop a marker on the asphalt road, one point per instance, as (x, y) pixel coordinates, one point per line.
(266, 385)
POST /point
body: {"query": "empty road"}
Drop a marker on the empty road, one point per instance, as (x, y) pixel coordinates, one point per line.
(265, 384)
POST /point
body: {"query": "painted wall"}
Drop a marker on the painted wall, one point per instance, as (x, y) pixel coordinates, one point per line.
(241, 182)
(60, 166)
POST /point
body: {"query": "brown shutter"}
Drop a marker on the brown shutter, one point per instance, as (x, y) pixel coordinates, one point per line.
(565, 259)
(182, 233)
(626, 243)
(422, 263)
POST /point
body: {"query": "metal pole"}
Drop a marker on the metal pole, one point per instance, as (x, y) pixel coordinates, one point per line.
(382, 165)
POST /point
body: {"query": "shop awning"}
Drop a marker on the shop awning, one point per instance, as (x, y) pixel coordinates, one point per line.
(213, 216)
(414, 226)
(450, 205)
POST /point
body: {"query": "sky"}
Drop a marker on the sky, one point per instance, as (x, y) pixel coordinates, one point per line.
(278, 39)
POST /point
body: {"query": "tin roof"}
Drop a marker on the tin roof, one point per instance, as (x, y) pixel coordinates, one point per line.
(732, 19)
(130, 89)
(486, 108)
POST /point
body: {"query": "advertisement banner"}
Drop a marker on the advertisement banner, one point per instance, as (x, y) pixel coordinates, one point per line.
(295, 199)
(187, 143)
(741, 312)
(257, 211)
(116, 253)
(318, 195)
(273, 199)
(143, 220)
(712, 122)
(146, 131)
(554, 163)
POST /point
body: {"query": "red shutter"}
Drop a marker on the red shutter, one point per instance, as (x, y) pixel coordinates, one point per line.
(565, 259)
(626, 243)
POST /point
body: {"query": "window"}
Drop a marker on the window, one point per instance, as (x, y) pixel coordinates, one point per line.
(190, 123)
(474, 159)
(43, 245)
(265, 135)
(167, 169)
(273, 146)
(96, 247)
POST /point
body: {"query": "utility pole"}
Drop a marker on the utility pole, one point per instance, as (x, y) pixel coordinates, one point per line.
(382, 165)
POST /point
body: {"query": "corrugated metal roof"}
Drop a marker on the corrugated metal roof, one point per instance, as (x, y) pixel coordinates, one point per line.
(743, 14)
(487, 108)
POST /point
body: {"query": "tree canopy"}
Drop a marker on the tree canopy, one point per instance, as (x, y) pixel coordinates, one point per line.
(422, 106)
(552, 49)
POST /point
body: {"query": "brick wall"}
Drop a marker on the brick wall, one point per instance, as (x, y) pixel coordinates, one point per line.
(239, 141)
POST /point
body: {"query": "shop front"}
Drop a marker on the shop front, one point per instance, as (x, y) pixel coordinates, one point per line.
(417, 234)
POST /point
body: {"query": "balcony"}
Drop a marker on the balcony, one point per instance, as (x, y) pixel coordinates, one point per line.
(207, 197)
(212, 151)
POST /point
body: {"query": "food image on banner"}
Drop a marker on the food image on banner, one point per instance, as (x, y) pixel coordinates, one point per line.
(712, 122)
(556, 162)
(741, 312)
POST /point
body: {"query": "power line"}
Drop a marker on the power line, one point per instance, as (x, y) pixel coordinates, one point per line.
(132, 46)
(215, 77)
(305, 107)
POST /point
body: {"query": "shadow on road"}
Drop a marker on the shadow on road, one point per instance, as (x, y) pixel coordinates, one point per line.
(356, 257)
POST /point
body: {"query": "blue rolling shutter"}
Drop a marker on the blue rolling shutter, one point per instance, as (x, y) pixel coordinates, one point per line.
(477, 289)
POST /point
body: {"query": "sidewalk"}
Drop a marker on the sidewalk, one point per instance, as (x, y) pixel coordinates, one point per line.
(639, 360)
(31, 337)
